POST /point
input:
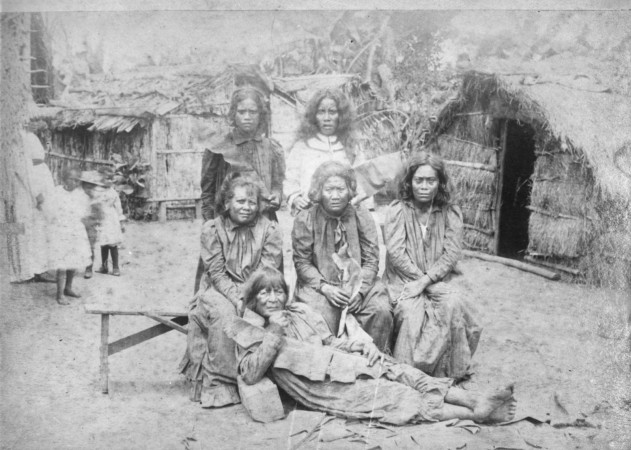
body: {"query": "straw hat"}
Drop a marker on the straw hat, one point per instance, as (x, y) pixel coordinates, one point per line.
(92, 177)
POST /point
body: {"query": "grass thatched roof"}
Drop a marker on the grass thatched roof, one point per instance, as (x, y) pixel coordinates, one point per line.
(120, 103)
(577, 111)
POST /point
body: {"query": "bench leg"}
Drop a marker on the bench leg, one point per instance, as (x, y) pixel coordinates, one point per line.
(198, 209)
(162, 211)
(105, 331)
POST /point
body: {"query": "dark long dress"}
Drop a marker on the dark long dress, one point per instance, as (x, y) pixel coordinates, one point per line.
(259, 156)
(436, 332)
(315, 237)
(318, 371)
(230, 254)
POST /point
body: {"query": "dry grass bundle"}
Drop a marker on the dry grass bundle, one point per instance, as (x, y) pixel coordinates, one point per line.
(460, 150)
(560, 166)
(479, 215)
(570, 198)
(472, 128)
(465, 180)
(475, 240)
(557, 236)
(609, 262)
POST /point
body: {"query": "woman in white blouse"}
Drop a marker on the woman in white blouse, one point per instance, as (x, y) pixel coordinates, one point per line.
(325, 134)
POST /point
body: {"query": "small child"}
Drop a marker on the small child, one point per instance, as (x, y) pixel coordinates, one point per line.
(91, 180)
(69, 247)
(109, 229)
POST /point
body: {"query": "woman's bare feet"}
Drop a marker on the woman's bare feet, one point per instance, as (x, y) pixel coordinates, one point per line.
(71, 293)
(495, 407)
(63, 301)
(504, 413)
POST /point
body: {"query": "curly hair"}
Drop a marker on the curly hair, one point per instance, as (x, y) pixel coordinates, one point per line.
(331, 169)
(346, 119)
(244, 93)
(263, 278)
(435, 162)
(230, 184)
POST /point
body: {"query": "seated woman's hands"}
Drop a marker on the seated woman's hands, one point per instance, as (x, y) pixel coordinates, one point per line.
(302, 202)
(355, 303)
(368, 349)
(335, 295)
(415, 288)
(273, 202)
(278, 321)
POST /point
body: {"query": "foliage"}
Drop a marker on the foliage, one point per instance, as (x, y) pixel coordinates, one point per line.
(129, 180)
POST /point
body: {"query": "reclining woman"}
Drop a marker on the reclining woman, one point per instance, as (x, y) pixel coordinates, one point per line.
(293, 345)
(435, 327)
(333, 226)
(234, 244)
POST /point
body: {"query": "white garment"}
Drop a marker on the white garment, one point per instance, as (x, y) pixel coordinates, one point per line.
(70, 248)
(39, 237)
(304, 158)
(108, 228)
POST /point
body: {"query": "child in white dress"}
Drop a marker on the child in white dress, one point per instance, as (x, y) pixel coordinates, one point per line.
(109, 229)
(69, 247)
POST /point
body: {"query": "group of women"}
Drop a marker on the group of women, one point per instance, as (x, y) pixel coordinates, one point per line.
(419, 326)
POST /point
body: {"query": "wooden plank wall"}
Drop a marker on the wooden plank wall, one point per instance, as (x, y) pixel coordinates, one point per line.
(178, 155)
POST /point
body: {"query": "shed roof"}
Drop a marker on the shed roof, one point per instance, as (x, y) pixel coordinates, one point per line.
(120, 103)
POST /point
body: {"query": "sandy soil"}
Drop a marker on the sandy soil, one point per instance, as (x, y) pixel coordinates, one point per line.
(564, 346)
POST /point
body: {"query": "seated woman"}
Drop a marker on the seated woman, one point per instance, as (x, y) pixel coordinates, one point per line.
(331, 224)
(435, 330)
(293, 345)
(234, 245)
(244, 149)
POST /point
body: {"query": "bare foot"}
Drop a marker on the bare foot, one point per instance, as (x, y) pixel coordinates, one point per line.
(504, 413)
(71, 293)
(491, 401)
(63, 301)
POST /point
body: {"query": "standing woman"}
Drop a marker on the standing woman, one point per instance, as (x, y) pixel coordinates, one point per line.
(323, 229)
(234, 244)
(42, 189)
(325, 134)
(245, 150)
(435, 327)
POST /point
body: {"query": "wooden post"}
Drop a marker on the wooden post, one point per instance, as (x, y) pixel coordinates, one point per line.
(16, 205)
(162, 211)
(198, 208)
(514, 263)
(500, 185)
(105, 331)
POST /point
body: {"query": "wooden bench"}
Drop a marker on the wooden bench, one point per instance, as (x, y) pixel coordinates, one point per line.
(168, 319)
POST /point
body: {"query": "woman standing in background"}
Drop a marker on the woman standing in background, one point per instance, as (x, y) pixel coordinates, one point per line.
(245, 150)
(325, 134)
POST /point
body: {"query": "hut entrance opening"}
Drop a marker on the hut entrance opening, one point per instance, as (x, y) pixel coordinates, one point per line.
(516, 184)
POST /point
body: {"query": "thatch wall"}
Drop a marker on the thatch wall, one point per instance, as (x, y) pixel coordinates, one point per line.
(474, 190)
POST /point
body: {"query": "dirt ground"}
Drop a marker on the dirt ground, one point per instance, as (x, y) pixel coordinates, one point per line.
(564, 345)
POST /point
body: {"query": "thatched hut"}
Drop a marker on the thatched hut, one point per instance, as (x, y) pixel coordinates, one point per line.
(147, 116)
(536, 166)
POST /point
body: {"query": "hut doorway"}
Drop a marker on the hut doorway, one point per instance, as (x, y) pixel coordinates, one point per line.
(518, 163)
